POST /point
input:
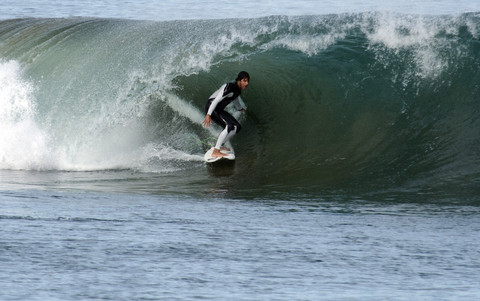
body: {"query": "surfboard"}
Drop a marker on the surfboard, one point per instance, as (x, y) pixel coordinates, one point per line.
(209, 159)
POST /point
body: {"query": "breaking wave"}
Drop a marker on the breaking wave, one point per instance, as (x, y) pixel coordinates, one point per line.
(343, 100)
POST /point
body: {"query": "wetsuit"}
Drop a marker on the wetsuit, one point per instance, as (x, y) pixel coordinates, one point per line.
(215, 107)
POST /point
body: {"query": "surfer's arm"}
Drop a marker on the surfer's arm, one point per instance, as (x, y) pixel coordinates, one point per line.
(216, 100)
(239, 105)
(207, 121)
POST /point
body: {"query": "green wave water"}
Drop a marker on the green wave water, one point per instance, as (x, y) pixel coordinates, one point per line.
(365, 101)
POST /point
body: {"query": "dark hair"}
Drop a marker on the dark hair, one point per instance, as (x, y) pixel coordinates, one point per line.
(242, 75)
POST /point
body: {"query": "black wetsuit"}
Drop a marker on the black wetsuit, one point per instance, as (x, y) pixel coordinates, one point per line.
(215, 107)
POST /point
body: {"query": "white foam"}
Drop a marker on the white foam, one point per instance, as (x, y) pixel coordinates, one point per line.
(23, 144)
(419, 35)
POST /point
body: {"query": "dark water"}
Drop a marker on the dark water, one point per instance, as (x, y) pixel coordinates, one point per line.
(356, 176)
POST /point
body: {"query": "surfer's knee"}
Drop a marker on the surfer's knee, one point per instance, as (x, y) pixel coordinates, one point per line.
(234, 127)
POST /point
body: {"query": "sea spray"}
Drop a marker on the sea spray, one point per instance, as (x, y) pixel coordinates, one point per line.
(23, 144)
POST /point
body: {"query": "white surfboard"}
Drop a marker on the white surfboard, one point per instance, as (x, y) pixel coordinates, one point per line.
(209, 159)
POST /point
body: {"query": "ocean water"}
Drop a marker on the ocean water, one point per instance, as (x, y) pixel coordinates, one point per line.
(357, 173)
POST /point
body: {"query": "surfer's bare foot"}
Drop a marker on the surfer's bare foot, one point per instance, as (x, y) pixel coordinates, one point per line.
(225, 149)
(218, 153)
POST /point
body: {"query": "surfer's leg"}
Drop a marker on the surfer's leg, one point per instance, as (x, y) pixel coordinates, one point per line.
(221, 138)
(231, 123)
(232, 127)
(229, 135)
(216, 117)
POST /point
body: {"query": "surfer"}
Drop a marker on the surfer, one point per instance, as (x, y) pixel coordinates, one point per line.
(215, 110)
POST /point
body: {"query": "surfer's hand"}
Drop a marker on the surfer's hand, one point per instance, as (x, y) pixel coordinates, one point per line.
(207, 121)
(243, 110)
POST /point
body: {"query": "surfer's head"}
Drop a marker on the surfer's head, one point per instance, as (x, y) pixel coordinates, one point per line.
(243, 78)
(242, 75)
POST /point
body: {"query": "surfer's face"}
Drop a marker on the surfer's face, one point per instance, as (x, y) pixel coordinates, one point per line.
(243, 83)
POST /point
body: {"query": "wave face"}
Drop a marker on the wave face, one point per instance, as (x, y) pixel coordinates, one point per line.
(359, 100)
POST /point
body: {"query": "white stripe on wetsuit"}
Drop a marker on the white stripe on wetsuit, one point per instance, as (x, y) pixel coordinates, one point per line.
(218, 98)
